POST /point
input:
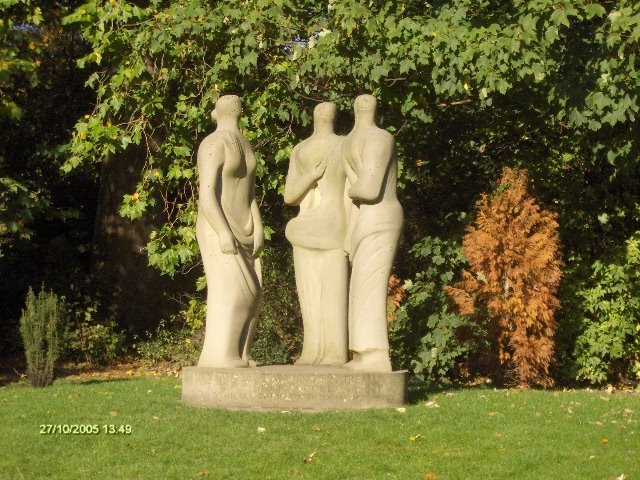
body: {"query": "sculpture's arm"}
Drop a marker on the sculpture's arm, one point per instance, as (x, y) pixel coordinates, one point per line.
(210, 162)
(376, 155)
(298, 183)
(258, 229)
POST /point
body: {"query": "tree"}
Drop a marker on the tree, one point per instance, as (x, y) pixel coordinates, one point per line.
(466, 86)
(45, 216)
(18, 58)
(514, 273)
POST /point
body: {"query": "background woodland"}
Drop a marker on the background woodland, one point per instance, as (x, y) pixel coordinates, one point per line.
(518, 144)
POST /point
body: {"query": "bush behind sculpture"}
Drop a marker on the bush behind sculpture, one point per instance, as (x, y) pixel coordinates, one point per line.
(279, 334)
(427, 336)
(42, 328)
(512, 280)
(92, 341)
(608, 344)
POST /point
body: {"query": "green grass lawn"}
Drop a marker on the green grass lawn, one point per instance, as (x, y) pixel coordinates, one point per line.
(459, 434)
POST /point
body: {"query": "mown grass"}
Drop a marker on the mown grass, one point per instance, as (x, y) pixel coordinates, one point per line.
(460, 434)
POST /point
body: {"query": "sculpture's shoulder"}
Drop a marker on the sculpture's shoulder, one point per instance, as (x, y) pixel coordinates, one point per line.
(325, 142)
(296, 148)
(370, 134)
(221, 142)
(219, 137)
(210, 143)
(381, 135)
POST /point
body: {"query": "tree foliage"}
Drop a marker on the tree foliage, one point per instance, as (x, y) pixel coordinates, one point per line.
(45, 216)
(514, 273)
(467, 87)
(554, 65)
(18, 59)
(37, 77)
(428, 336)
(608, 347)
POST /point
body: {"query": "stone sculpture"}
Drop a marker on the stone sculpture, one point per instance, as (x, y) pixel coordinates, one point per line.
(230, 235)
(374, 227)
(315, 182)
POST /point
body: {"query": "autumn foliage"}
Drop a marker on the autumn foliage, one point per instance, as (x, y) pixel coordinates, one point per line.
(396, 294)
(514, 272)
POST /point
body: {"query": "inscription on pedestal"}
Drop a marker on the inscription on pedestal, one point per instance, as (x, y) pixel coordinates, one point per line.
(312, 388)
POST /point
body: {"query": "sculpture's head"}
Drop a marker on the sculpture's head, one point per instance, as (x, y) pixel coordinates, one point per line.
(227, 106)
(365, 103)
(325, 112)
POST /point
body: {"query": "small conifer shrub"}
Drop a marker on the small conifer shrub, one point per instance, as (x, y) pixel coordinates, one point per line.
(514, 272)
(42, 329)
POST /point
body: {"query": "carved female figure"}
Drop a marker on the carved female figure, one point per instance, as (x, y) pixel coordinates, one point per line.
(230, 235)
(375, 222)
(315, 182)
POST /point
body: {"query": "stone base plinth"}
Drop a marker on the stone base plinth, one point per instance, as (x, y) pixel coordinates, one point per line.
(292, 387)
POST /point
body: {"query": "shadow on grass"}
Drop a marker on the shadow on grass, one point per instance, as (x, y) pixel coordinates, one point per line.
(14, 371)
(96, 381)
(420, 392)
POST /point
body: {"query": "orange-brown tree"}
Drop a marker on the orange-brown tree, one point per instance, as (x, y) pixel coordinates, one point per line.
(514, 271)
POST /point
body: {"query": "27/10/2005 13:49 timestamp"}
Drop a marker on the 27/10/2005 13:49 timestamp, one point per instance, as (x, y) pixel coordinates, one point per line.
(84, 429)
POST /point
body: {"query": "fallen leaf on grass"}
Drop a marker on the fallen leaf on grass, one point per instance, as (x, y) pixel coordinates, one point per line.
(316, 428)
(285, 411)
(622, 477)
(156, 417)
(418, 436)
(432, 404)
(309, 458)
(430, 475)
(401, 410)
(203, 473)
(261, 429)
(113, 414)
(591, 457)
(453, 454)
(604, 440)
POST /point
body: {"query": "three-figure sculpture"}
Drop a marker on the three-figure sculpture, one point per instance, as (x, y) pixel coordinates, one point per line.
(344, 238)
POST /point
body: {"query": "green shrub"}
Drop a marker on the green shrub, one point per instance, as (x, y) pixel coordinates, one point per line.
(608, 347)
(169, 343)
(93, 341)
(42, 328)
(427, 336)
(278, 337)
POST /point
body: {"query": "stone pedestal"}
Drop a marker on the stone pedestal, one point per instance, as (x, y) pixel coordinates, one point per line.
(289, 387)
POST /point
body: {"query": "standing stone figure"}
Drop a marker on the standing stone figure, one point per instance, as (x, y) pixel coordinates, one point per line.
(315, 182)
(375, 222)
(230, 235)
